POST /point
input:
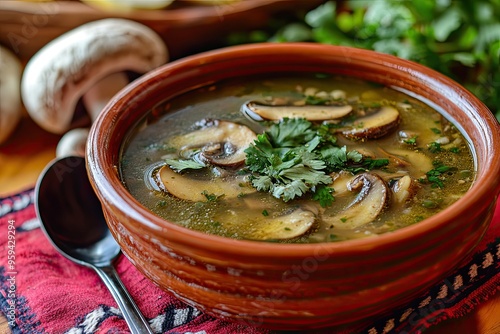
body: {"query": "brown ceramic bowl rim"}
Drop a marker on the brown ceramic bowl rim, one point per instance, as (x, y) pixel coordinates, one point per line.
(103, 169)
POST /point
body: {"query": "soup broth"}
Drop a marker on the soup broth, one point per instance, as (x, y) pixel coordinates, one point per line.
(296, 159)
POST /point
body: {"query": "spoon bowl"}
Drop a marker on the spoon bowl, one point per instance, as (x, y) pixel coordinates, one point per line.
(71, 217)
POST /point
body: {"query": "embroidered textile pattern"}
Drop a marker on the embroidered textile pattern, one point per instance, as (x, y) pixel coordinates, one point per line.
(56, 296)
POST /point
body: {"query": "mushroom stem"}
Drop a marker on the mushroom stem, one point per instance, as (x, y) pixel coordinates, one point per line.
(96, 98)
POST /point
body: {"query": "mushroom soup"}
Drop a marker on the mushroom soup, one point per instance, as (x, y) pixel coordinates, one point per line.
(296, 159)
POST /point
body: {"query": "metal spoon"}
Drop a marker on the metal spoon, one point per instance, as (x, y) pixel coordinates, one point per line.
(72, 219)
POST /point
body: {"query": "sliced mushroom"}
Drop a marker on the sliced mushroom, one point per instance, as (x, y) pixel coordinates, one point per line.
(220, 143)
(388, 176)
(289, 226)
(404, 189)
(372, 199)
(374, 125)
(195, 190)
(260, 112)
(414, 161)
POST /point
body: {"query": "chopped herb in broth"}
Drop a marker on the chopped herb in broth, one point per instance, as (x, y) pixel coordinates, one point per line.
(296, 159)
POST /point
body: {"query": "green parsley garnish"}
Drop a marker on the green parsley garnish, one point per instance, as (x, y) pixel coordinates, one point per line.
(265, 213)
(369, 163)
(323, 195)
(161, 203)
(436, 131)
(429, 204)
(294, 157)
(216, 224)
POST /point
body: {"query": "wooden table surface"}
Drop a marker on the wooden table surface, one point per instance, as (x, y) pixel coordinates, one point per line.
(30, 148)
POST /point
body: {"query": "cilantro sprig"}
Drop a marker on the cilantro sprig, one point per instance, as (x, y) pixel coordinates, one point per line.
(294, 157)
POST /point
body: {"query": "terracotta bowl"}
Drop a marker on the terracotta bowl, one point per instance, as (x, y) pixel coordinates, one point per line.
(295, 286)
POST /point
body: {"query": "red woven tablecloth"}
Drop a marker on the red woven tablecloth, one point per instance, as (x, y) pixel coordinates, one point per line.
(42, 292)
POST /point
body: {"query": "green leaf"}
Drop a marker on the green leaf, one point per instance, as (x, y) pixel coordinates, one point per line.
(354, 156)
(321, 16)
(392, 46)
(433, 176)
(345, 21)
(436, 131)
(314, 100)
(468, 37)
(307, 175)
(211, 197)
(180, 165)
(411, 141)
(423, 9)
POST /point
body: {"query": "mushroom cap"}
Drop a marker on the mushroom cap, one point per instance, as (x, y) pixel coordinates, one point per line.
(63, 70)
(10, 96)
(72, 143)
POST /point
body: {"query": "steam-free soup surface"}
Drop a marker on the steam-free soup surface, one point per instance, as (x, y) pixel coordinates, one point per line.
(340, 159)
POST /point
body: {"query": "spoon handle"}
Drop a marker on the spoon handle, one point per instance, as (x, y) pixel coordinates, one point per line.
(133, 316)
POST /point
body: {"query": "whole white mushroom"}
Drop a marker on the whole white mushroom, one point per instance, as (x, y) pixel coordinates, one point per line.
(127, 5)
(10, 95)
(73, 143)
(87, 64)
